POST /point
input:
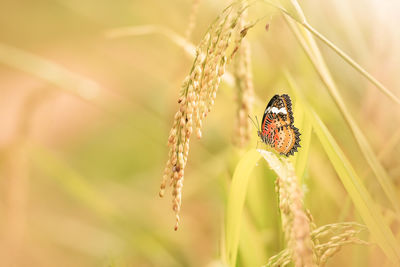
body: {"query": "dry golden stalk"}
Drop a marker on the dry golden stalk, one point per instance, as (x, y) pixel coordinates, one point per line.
(199, 91)
(330, 248)
(245, 95)
(245, 89)
(295, 222)
(336, 235)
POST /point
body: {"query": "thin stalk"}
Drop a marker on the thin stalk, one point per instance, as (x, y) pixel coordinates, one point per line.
(299, 17)
(351, 62)
(312, 50)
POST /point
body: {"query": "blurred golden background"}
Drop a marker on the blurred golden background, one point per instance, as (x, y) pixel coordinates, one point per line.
(85, 120)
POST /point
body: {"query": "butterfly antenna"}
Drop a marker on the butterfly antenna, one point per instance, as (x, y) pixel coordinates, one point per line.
(255, 125)
(258, 124)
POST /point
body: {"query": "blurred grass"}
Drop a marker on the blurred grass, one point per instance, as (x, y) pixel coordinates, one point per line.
(304, 124)
(90, 197)
(360, 196)
(309, 45)
(50, 72)
(355, 188)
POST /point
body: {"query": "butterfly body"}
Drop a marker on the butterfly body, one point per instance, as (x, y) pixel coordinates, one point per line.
(277, 129)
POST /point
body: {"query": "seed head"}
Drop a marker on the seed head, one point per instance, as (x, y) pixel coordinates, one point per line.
(199, 91)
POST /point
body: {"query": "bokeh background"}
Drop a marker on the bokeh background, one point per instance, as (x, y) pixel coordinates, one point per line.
(84, 121)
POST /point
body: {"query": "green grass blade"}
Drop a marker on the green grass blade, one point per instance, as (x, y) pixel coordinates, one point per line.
(351, 181)
(235, 203)
(292, 9)
(299, 111)
(304, 124)
(357, 191)
(352, 63)
(312, 50)
(252, 251)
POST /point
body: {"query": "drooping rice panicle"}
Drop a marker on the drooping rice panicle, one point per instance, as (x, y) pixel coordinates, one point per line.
(199, 91)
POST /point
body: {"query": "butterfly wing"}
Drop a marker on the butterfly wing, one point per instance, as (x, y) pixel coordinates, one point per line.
(277, 126)
(288, 140)
(267, 111)
(268, 122)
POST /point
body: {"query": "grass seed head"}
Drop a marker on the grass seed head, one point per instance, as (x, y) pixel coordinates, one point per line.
(199, 91)
(295, 222)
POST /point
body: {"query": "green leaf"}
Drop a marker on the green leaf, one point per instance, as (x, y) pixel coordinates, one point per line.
(252, 251)
(301, 157)
(352, 183)
(292, 9)
(310, 47)
(235, 203)
(357, 191)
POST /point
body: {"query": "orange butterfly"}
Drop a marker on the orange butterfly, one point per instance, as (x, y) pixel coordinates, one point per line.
(277, 129)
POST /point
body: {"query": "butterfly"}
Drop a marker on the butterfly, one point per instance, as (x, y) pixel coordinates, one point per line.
(277, 129)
